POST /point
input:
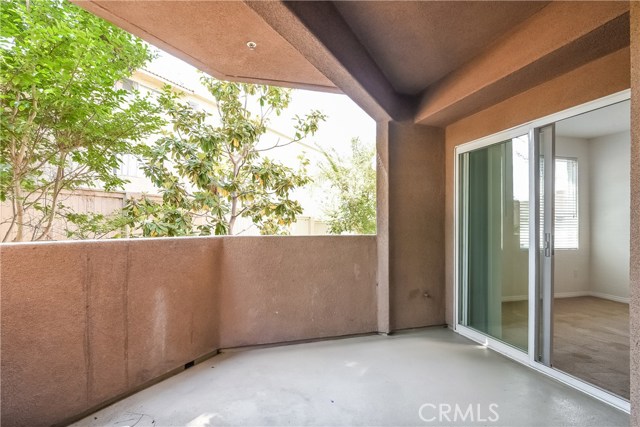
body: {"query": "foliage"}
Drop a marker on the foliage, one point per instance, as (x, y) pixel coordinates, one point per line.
(352, 208)
(64, 123)
(93, 225)
(213, 172)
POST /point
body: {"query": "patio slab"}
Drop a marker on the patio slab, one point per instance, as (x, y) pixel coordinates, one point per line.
(424, 377)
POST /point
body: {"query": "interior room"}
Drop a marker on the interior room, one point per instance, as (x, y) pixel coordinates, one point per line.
(591, 274)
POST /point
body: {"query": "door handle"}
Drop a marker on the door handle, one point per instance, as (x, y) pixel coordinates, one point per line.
(547, 245)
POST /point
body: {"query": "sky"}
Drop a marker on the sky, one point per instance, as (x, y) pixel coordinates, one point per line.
(345, 118)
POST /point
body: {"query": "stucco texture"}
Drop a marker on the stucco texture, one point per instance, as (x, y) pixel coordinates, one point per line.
(296, 288)
(634, 307)
(527, 57)
(84, 323)
(416, 225)
(382, 223)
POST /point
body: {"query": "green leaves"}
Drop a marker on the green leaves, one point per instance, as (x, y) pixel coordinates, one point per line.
(308, 125)
(352, 204)
(60, 109)
(212, 168)
(64, 124)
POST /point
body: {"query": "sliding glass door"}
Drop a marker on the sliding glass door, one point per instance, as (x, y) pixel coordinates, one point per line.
(542, 246)
(494, 240)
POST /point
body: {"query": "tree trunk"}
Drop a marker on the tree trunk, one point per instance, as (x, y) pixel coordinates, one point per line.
(234, 196)
(18, 208)
(234, 209)
(54, 201)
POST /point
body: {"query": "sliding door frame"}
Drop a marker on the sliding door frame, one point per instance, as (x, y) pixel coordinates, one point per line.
(544, 140)
(528, 358)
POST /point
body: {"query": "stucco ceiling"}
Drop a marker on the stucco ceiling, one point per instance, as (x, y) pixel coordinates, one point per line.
(413, 43)
(429, 61)
(416, 43)
(213, 36)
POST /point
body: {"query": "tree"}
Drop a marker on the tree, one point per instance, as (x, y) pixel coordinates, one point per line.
(213, 172)
(352, 204)
(64, 123)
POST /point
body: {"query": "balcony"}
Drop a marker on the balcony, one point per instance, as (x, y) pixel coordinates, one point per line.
(90, 324)
(422, 377)
(84, 323)
(104, 320)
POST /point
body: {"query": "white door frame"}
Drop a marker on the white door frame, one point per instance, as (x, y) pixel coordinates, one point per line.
(528, 358)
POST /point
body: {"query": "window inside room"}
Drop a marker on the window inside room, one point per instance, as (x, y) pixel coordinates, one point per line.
(566, 204)
(566, 207)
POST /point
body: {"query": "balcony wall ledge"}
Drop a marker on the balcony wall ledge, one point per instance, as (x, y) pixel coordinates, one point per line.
(86, 322)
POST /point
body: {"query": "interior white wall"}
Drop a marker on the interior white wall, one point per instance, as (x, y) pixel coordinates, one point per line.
(572, 275)
(610, 219)
(600, 266)
(572, 266)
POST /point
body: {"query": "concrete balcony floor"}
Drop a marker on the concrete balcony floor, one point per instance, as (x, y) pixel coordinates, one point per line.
(368, 380)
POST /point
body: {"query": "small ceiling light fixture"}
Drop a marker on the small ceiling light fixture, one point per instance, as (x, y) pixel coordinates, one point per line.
(252, 45)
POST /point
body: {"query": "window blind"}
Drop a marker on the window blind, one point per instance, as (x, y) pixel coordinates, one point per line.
(566, 204)
(566, 207)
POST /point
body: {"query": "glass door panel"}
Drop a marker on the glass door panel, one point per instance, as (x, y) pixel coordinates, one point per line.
(584, 286)
(494, 213)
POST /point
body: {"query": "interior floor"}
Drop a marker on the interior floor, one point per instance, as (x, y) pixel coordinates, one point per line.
(591, 339)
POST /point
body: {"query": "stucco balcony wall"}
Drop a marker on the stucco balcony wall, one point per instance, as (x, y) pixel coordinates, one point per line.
(84, 323)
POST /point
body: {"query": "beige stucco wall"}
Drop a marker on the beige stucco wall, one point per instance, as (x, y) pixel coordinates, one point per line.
(634, 307)
(382, 224)
(410, 219)
(416, 225)
(296, 288)
(86, 322)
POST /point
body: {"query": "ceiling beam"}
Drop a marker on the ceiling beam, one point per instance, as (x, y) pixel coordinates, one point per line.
(320, 34)
(556, 40)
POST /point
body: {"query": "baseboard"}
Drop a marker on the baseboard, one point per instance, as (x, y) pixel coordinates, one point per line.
(610, 297)
(557, 295)
(573, 294)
